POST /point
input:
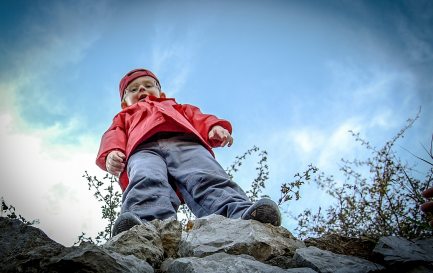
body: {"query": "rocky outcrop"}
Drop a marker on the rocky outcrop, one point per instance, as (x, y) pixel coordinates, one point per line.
(222, 262)
(27, 249)
(402, 254)
(91, 258)
(24, 247)
(359, 247)
(216, 234)
(141, 241)
(327, 262)
(152, 242)
(214, 244)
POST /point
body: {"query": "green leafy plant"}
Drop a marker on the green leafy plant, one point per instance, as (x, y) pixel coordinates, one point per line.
(384, 201)
(104, 191)
(262, 168)
(291, 189)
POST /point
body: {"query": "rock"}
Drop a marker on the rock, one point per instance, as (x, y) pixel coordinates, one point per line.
(301, 270)
(397, 252)
(23, 247)
(214, 244)
(215, 233)
(170, 232)
(282, 261)
(222, 262)
(142, 241)
(416, 269)
(91, 258)
(360, 247)
(325, 261)
(427, 246)
(165, 265)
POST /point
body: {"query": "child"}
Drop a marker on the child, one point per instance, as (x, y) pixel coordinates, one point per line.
(159, 148)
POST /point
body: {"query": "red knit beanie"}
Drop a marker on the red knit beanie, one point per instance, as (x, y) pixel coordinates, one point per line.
(132, 75)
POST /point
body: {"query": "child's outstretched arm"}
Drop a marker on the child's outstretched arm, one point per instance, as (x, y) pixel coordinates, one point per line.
(216, 131)
(111, 155)
(219, 136)
(115, 162)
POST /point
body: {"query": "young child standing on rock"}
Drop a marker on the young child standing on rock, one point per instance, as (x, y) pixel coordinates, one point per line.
(162, 150)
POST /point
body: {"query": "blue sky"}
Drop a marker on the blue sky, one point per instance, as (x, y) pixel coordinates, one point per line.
(292, 76)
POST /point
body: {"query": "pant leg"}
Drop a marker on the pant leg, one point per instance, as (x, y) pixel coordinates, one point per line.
(149, 194)
(204, 184)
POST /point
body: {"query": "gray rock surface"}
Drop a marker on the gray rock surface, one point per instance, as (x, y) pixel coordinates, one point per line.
(397, 250)
(325, 261)
(360, 247)
(300, 270)
(91, 258)
(215, 233)
(416, 269)
(23, 247)
(170, 232)
(27, 249)
(222, 263)
(426, 245)
(142, 241)
(215, 244)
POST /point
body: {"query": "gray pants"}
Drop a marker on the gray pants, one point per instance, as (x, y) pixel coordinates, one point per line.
(203, 183)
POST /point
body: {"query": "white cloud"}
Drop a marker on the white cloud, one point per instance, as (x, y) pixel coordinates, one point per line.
(355, 78)
(174, 57)
(305, 141)
(338, 144)
(44, 181)
(385, 120)
(321, 146)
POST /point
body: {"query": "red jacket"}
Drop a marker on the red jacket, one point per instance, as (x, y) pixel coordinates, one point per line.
(140, 121)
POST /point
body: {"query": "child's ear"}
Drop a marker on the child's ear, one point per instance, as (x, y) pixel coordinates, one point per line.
(123, 104)
(162, 95)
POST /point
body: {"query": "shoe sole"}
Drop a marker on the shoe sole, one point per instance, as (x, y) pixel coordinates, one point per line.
(266, 211)
(266, 214)
(124, 225)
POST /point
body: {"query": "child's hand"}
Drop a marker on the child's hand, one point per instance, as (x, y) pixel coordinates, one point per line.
(427, 207)
(115, 162)
(218, 136)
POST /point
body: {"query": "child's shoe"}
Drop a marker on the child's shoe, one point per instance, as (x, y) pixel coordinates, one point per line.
(125, 221)
(265, 210)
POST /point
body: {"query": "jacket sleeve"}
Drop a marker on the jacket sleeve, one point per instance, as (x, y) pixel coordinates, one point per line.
(204, 122)
(113, 139)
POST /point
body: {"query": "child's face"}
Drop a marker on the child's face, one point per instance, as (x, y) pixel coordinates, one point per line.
(139, 89)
